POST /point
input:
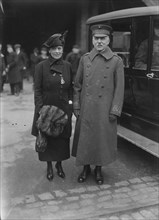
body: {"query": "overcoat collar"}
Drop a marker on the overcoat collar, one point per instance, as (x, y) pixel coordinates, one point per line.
(56, 65)
(107, 53)
(53, 61)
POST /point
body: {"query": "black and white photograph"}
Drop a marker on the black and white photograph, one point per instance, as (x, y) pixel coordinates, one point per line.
(79, 109)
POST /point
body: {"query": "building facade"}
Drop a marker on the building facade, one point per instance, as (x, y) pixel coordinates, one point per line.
(31, 22)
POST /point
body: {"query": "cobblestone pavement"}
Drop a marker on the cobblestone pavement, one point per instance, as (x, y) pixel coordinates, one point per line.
(128, 192)
(136, 198)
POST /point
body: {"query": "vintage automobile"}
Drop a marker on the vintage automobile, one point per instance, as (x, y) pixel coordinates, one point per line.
(136, 40)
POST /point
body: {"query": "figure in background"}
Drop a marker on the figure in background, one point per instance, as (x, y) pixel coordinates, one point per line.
(2, 69)
(74, 57)
(97, 102)
(21, 63)
(12, 69)
(26, 72)
(43, 53)
(142, 53)
(53, 87)
(34, 60)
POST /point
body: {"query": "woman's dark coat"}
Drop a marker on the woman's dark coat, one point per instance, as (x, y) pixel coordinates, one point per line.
(14, 75)
(98, 92)
(49, 91)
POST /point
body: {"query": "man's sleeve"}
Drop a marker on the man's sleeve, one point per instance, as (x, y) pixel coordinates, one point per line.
(71, 84)
(118, 98)
(78, 85)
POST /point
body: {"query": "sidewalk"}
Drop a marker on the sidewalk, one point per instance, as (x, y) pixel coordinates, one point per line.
(136, 198)
(130, 190)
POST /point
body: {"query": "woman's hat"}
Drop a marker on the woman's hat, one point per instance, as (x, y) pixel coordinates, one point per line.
(55, 40)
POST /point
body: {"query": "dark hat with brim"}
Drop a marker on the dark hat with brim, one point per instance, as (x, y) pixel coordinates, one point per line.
(17, 46)
(9, 45)
(44, 48)
(76, 46)
(55, 40)
(101, 29)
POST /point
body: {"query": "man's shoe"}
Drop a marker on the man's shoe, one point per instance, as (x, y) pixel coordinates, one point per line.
(98, 175)
(85, 173)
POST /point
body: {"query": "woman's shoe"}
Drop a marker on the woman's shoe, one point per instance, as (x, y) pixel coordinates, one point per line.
(50, 174)
(98, 175)
(85, 173)
(60, 171)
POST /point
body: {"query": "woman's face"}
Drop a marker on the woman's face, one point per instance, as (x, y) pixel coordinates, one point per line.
(56, 52)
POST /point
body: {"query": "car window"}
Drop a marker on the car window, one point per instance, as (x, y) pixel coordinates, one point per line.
(121, 39)
(155, 50)
(141, 34)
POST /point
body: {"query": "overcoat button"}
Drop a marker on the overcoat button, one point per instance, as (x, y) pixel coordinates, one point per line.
(100, 96)
(87, 85)
(105, 77)
(102, 86)
(87, 94)
(86, 75)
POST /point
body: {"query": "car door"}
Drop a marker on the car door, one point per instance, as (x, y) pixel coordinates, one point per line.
(121, 46)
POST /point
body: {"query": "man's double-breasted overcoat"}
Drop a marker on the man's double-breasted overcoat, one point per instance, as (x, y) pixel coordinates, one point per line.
(98, 92)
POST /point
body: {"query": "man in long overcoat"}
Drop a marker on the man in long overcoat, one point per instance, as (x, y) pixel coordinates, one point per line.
(21, 61)
(98, 99)
(74, 57)
(14, 75)
(2, 69)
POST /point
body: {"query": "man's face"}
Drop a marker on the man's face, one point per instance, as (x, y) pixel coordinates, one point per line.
(75, 50)
(100, 42)
(17, 50)
(9, 49)
(43, 52)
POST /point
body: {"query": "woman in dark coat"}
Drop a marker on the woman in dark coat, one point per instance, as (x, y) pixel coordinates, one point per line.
(53, 86)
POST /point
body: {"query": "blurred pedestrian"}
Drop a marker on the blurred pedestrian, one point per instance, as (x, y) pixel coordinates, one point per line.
(34, 59)
(21, 63)
(98, 98)
(12, 69)
(43, 53)
(2, 69)
(53, 87)
(74, 57)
